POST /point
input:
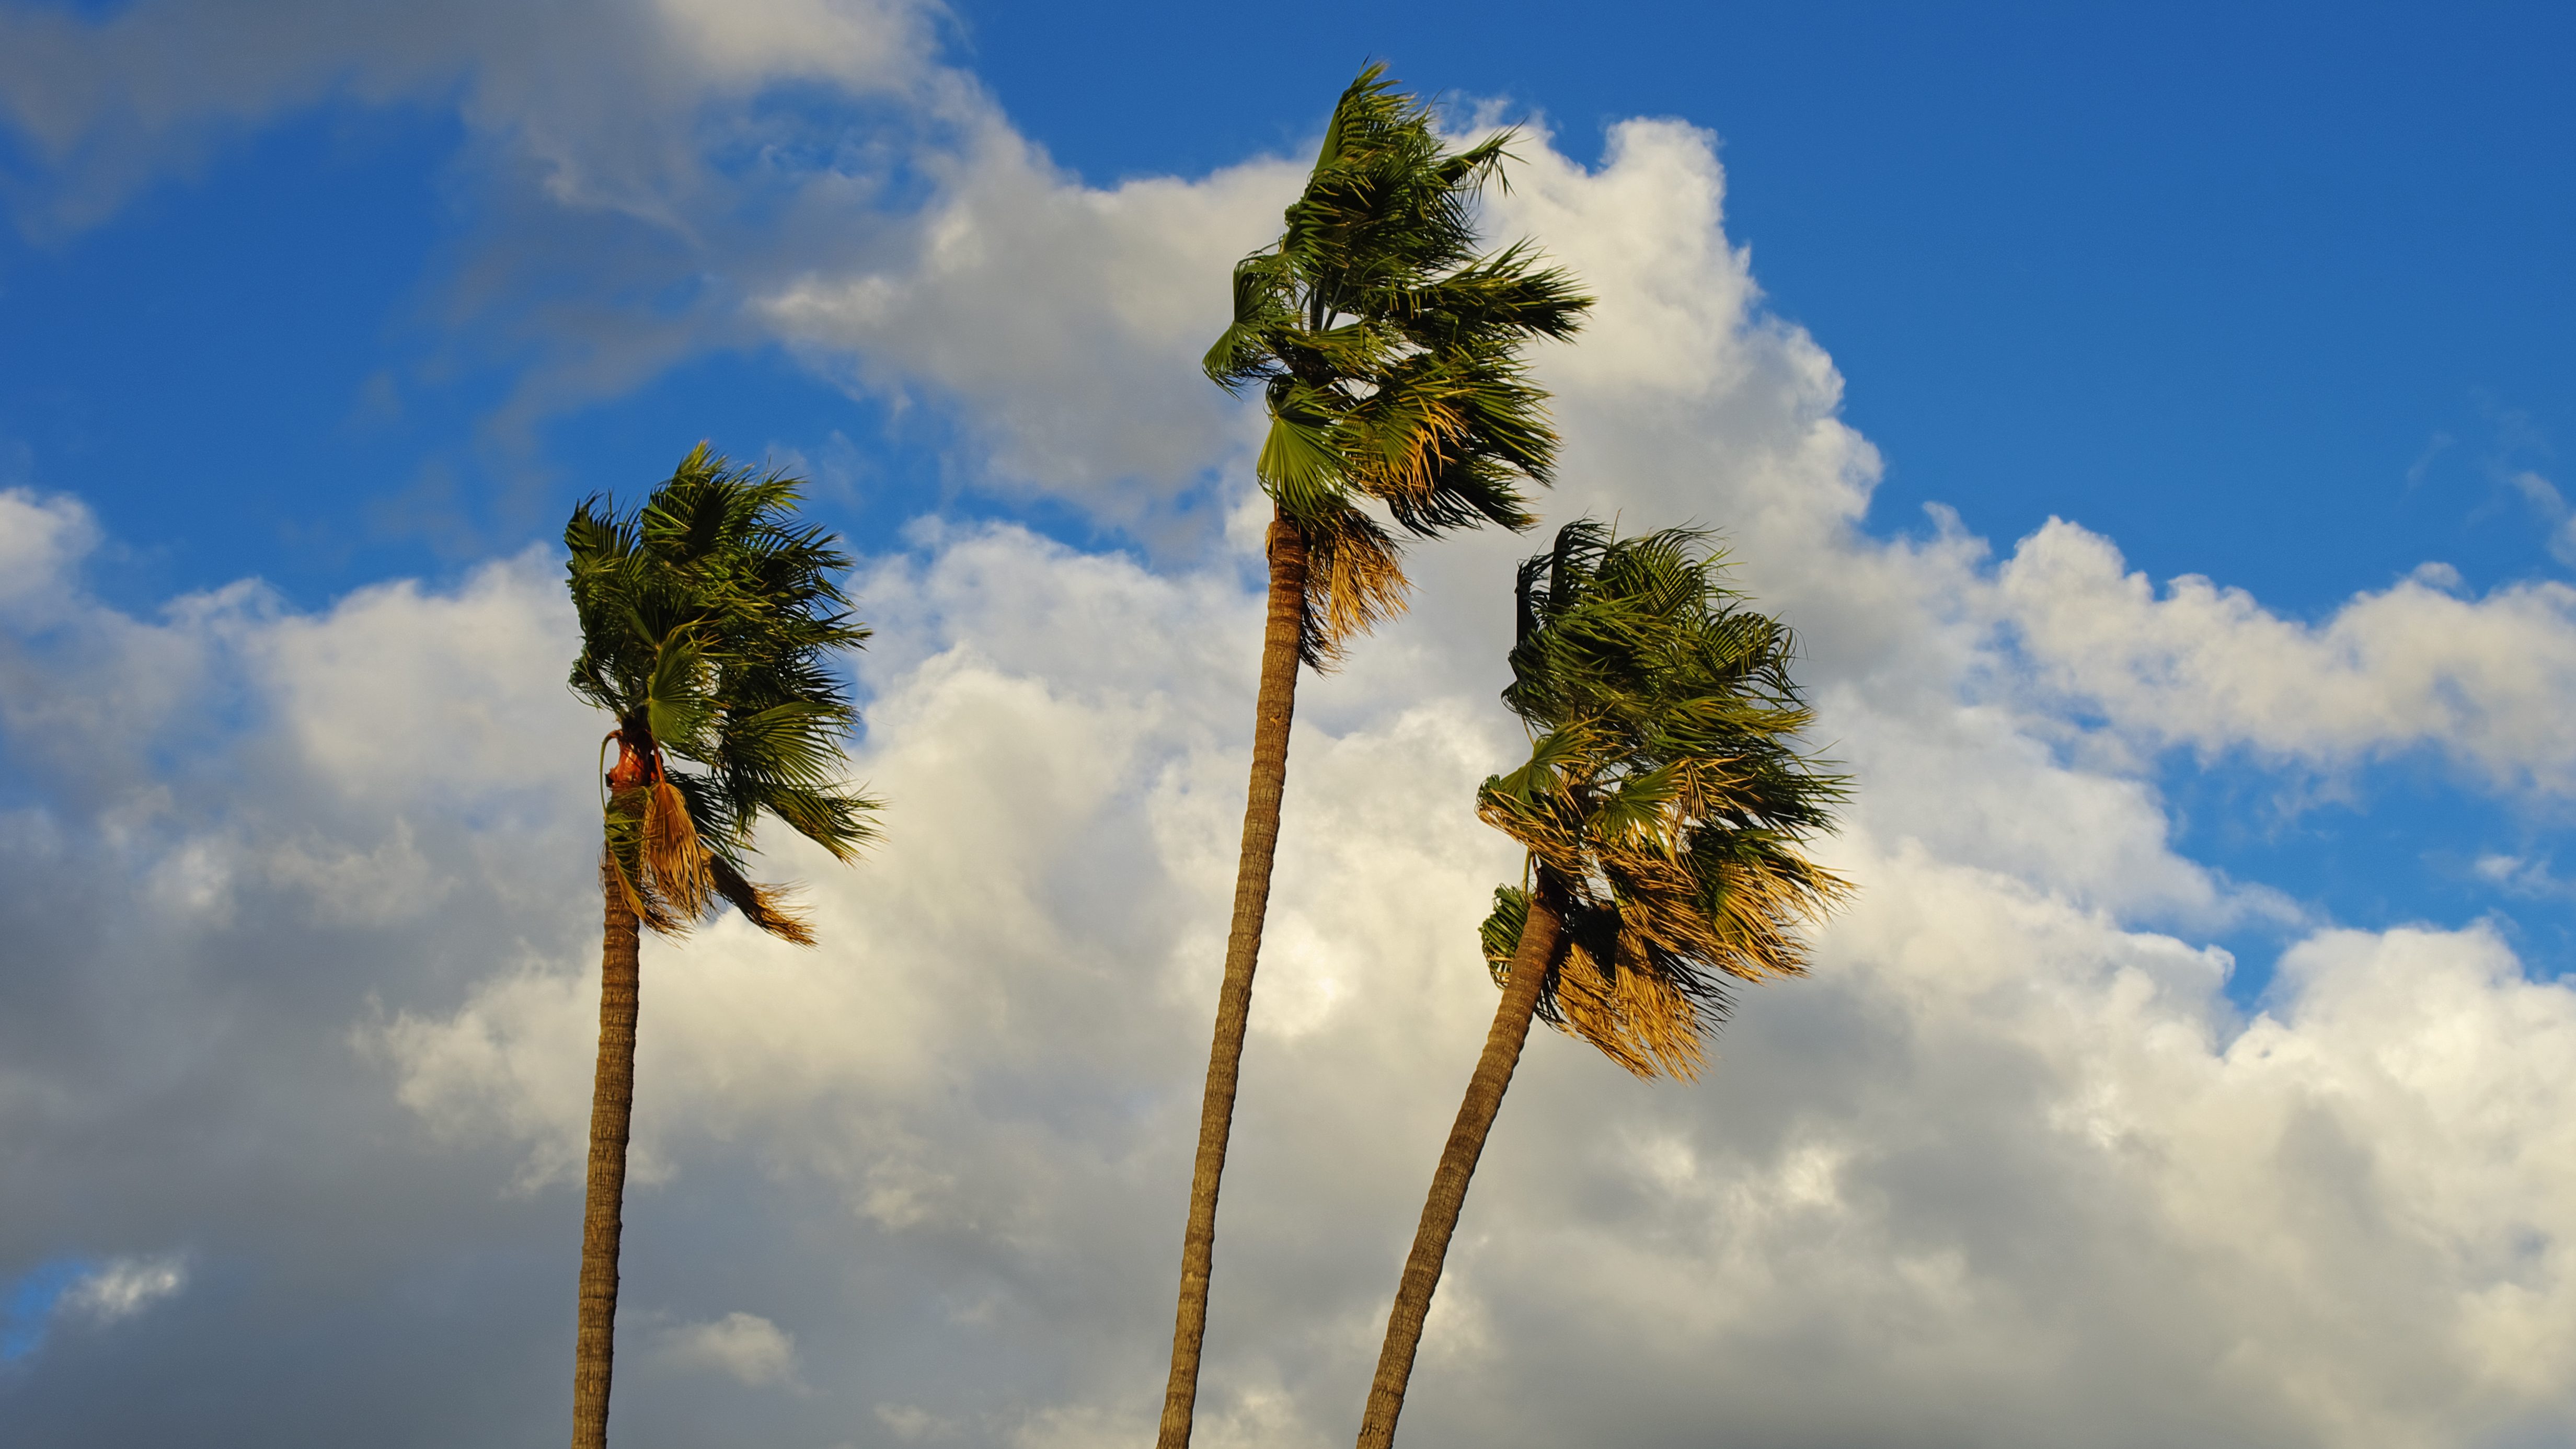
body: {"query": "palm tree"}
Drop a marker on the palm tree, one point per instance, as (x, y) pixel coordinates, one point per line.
(1663, 809)
(1387, 349)
(708, 617)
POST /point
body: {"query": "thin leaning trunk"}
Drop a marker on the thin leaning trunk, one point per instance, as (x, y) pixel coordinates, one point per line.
(612, 1102)
(1281, 637)
(1530, 960)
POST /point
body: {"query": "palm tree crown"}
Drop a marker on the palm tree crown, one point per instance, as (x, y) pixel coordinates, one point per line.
(1386, 348)
(1664, 803)
(707, 614)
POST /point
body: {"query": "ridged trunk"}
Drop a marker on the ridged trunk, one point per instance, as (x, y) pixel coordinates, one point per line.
(1530, 961)
(612, 1102)
(1271, 710)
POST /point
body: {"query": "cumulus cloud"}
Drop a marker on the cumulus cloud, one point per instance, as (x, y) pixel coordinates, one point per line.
(81, 1293)
(2488, 681)
(107, 103)
(745, 1347)
(43, 537)
(305, 899)
(1049, 310)
(122, 1288)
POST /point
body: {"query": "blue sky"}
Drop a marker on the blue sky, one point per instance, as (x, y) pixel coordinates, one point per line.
(2190, 912)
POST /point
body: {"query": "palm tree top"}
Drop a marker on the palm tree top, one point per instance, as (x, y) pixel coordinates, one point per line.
(1386, 346)
(1665, 802)
(709, 614)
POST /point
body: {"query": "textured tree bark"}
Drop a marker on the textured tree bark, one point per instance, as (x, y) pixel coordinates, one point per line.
(1271, 710)
(1530, 962)
(612, 1101)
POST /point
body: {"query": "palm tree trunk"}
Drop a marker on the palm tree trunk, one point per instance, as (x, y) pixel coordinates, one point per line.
(1281, 636)
(1530, 961)
(612, 1102)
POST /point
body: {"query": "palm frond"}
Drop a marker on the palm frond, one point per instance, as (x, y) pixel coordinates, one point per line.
(674, 859)
(764, 906)
(1354, 582)
(628, 865)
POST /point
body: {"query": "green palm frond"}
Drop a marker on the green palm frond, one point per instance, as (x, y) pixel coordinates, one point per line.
(709, 616)
(1665, 803)
(1387, 346)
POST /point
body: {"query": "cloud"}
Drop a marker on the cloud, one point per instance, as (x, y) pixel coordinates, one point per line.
(122, 1288)
(1046, 312)
(604, 107)
(745, 1347)
(43, 537)
(2415, 666)
(82, 1293)
(2546, 501)
(2518, 875)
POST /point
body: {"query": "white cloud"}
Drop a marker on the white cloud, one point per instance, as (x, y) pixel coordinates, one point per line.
(910, 1424)
(2545, 500)
(609, 107)
(1049, 311)
(742, 1346)
(81, 1293)
(122, 1288)
(40, 539)
(2488, 681)
(2518, 875)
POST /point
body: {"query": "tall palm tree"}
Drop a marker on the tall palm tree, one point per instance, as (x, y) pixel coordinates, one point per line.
(1663, 808)
(1387, 348)
(708, 617)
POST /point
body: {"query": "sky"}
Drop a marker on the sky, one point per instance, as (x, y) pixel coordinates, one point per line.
(2148, 418)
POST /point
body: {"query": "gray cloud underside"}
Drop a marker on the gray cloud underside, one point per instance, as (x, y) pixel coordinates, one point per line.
(302, 926)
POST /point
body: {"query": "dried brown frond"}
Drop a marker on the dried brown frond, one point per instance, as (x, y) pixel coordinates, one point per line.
(1630, 1014)
(1650, 1008)
(764, 906)
(648, 908)
(676, 862)
(1354, 582)
(1763, 911)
